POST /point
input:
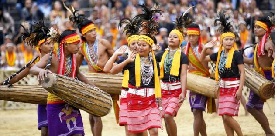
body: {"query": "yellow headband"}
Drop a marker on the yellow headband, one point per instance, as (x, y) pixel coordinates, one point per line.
(193, 31)
(262, 25)
(227, 34)
(132, 38)
(72, 38)
(87, 28)
(146, 39)
(179, 34)
(41, 42)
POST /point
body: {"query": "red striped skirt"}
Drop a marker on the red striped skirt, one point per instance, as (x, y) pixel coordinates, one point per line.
(142, 110)
(170, 97)
(228, 104)
(123, 107)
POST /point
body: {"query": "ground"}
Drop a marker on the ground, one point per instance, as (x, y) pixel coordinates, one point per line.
(24, 122)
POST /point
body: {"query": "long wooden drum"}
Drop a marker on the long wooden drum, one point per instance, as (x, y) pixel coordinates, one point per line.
(83, 96)
(24, 93)
(106, 82)
(259, 84)
(202, 85)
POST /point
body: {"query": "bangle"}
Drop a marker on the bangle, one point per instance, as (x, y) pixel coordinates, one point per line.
(160, 108)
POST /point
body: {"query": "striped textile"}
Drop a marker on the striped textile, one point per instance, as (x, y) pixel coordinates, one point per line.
(142, 110)
(228, 105)
(123, 107)
(170, 97)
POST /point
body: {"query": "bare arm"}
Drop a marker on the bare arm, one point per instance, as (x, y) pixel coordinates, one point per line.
(184, 79)
(242, 79)
(79, 59)
(207, 51)
(38, 68)
(248, 60)
(116, 69)
(108, 46)
(110, 63)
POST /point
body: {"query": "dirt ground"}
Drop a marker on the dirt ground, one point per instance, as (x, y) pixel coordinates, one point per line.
(24, 122)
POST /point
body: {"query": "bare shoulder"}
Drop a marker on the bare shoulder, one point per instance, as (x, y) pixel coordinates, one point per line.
(104, 42)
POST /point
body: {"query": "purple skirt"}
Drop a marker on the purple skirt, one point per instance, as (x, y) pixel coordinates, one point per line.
(197, 101)
(64, 120)
(254, 101)
(42, 116)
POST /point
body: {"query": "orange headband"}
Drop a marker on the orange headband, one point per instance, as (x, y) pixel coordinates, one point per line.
(71, 38)
(262, 25)
(88, 27)
(40, 42)
(193, 31)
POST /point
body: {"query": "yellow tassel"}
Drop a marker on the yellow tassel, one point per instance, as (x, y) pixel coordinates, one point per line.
(11, 58)
(211, 107)
(162, 64)
(217, 62)
(137, 70)
(158, 92)
(175, 66)
(125, 78)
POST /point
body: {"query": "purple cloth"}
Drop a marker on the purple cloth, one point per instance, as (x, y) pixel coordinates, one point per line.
(42, 116)
(197, 101)
(254, 101)
(64, 120)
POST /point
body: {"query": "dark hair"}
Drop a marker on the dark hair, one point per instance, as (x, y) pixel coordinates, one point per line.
(66, 33)
(267, 19)
(193, 25)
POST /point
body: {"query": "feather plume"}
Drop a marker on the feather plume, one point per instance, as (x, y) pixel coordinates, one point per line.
(130, 28)
(223, 21)
(184, 20)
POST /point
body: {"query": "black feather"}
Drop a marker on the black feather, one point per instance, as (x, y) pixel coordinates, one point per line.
(223, 21)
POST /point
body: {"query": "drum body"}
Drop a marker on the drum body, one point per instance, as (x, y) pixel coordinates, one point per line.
(78, 94)
(259, 84)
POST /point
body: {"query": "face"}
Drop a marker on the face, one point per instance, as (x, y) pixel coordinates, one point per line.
(193, 39)
(133, 45)
(73, 47)
(47, 46)
(173, 40)
(228, 42)
(259, 31)
(143, 48)
(90, 35)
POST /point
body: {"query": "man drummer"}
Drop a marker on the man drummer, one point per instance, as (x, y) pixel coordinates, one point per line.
(197, 101)
(262, 61)
(96, 52)
(59, 113)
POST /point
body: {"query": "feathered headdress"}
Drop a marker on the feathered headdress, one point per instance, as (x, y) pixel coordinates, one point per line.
(184, 20)
(38, 34)
(148, 20)
(131, 26)
(84, 25)
(226, 30)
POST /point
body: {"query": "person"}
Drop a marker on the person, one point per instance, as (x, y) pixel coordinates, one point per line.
(143, 113)
(63, 119)
(197, 101)
(262, 60)
(96, 52)
(173, 73)
(119, 56)
(230, 71)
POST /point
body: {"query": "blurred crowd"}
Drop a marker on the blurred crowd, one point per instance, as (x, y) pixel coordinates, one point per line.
(106, 15)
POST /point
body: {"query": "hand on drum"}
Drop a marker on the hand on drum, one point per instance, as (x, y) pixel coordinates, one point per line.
(42, 74)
